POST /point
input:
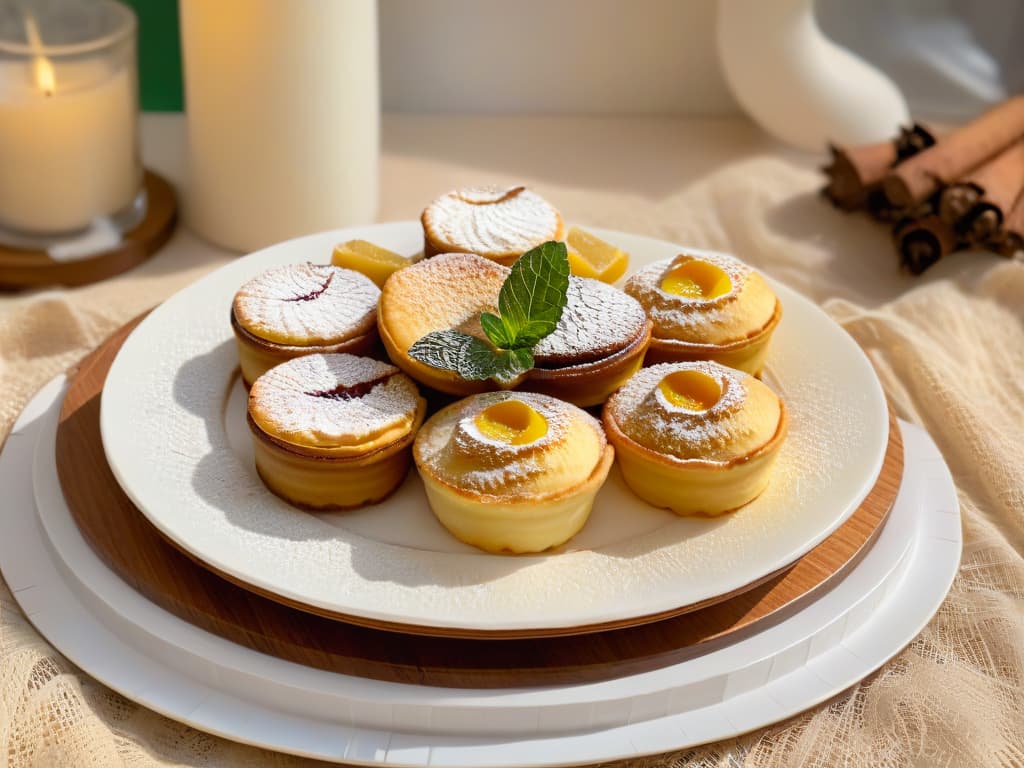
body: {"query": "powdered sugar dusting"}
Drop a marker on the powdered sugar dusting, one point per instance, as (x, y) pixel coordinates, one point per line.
(598, 320)
(292, 401)
(644, 414)
(491, 221)
(305, 304)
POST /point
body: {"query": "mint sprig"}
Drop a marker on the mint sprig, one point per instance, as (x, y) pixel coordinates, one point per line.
(530, 304)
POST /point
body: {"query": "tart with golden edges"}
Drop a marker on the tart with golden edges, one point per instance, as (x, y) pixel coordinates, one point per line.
(599, 341)
(498, 223)
(696, 438)
(512, 471)
(302, 309)
(707, 307)
(334, 431)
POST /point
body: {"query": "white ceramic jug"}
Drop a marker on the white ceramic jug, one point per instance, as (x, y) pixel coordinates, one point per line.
(796, 83)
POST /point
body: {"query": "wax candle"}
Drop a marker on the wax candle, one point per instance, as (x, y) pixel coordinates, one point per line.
(68, 144)
(283, 117)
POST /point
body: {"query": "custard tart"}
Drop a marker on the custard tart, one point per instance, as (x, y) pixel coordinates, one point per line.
(302, 309)
(512, 471)
(498, 223)
(333, 431)
(696, 438)
(707, 307)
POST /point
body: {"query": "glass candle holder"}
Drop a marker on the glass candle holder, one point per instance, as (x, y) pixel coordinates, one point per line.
(69, 158)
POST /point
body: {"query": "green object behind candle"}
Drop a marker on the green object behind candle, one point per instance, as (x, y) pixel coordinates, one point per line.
(159, 55)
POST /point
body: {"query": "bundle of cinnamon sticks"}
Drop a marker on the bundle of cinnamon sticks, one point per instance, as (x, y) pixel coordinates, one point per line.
(940, 194)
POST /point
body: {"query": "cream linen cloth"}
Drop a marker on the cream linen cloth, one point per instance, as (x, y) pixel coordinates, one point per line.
(949, 348)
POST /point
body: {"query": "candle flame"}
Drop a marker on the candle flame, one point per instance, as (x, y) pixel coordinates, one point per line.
(42, 69)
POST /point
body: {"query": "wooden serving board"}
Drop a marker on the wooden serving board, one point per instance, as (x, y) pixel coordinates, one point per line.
(132, 547)
(34, 269)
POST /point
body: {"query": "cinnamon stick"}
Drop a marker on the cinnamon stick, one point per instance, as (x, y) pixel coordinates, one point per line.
(976, 205)
(855, 173)
(963, 150)
(1009, 241)
(1002, 183)
(923, 241)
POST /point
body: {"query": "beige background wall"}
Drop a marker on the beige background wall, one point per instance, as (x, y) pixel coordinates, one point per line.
(551, 56)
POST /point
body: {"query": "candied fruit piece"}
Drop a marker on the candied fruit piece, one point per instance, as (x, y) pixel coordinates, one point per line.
(375, 262)
(696, 280)
(512, 422)
(589, 256)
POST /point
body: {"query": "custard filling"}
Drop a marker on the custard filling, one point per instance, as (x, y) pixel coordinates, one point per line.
(512, 422)
(696, 279)
(691, 389)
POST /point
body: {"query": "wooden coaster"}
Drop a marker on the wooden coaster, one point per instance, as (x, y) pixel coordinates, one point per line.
(34, 269)
(132, 547)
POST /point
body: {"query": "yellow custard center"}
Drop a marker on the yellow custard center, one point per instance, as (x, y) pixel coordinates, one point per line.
(692, 390)
(696, 280)
(512, 422)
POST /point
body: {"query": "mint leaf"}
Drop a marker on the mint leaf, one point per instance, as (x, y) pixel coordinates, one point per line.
(511, 363)
(531, 301)
(449, 350)
(495, 330)
(478, 361)
(533, 295)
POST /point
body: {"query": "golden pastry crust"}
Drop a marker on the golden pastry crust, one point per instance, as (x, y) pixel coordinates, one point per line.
(497, 223)
(694, 459)
(733, 328)
(256, 356)
(504, 497)
(333, 431)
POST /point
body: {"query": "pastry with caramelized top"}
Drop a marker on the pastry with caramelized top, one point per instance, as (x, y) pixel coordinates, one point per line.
(302, 309)
(696, 438)
(597, 344)
(334, 431)
(512, 471)
(707, 307)
(498, 223)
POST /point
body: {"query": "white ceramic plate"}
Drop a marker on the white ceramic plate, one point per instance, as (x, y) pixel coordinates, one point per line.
(171, 418)
(158, 660)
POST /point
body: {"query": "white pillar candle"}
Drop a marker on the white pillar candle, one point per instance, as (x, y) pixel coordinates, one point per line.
(67, 143)
(283, 111)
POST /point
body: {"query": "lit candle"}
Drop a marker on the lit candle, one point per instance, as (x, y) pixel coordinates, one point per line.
(67, 129)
